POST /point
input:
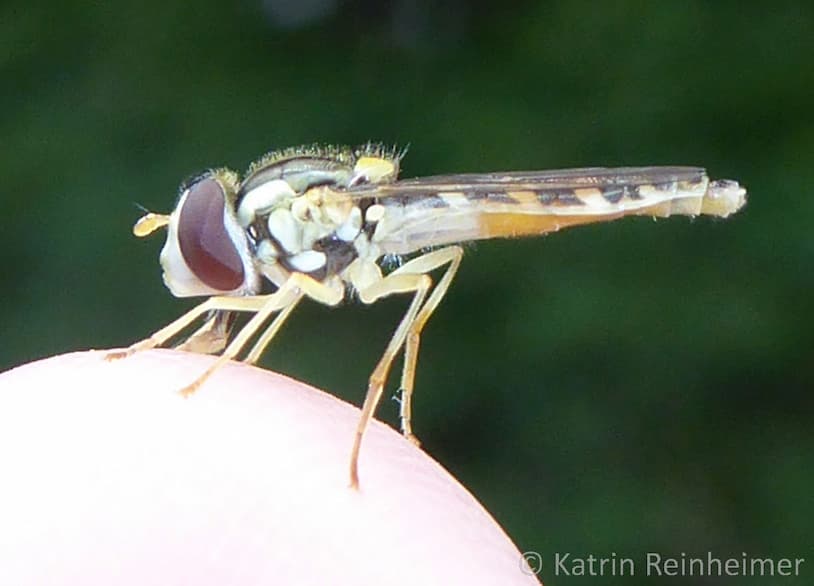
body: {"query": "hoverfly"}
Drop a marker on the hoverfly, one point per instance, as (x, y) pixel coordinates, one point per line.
(316, 222)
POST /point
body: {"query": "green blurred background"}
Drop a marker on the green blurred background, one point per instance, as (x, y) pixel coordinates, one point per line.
(629, 387)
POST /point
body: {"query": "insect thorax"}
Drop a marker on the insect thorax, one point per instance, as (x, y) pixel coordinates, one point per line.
(299, 213)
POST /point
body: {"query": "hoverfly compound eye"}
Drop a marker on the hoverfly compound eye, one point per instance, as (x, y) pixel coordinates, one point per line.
(205, 243)
(206, 251)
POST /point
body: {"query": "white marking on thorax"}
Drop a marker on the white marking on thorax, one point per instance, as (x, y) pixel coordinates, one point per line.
(352, 226)
(285, 228)
(308, 261)
(311, 232)
(266, 252)
(262, 200)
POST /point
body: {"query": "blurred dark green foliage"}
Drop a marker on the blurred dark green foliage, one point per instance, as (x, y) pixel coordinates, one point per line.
(625, 388)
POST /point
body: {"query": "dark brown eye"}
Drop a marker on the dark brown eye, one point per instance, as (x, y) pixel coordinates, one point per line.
(205, 244)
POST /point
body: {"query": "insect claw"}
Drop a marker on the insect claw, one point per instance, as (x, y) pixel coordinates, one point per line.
(190, 389)
(412, 439)
(117, 355)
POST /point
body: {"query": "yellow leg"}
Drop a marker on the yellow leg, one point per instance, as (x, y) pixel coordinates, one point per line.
(330, 293)
(391, 284)
(271, 331)
(411, 277)
(426, 263)
(253, 303)
(287, 295)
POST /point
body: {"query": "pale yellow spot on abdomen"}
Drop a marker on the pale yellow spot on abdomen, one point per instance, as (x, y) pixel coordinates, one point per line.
(592, 197)
(454, 199)
(525, 198)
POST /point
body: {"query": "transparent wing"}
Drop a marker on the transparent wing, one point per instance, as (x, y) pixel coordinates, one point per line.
(433, 211)
(558, 182)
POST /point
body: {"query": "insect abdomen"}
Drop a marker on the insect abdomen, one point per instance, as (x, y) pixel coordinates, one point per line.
(494, 209)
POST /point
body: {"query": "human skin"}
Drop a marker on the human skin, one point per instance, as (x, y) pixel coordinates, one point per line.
(110, 476)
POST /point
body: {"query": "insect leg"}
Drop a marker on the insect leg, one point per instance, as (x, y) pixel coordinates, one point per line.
(289, 294)
(253, 303)
(389, 285)
(327, 294)
(451, 255)
(271, 331)
(212, 336)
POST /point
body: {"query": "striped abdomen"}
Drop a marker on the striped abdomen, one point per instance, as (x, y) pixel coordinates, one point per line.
(434, 211)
